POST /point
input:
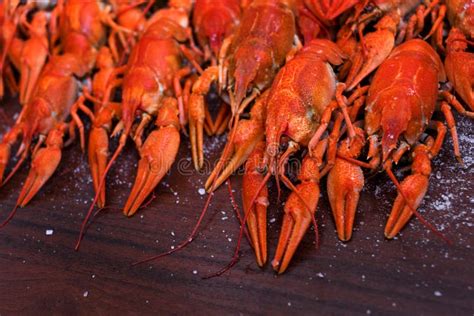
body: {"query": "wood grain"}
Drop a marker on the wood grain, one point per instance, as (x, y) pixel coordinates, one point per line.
(415, 274)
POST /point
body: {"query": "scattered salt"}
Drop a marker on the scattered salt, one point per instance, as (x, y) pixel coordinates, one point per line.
(195, 272)
(202, 191)
(49, 232)
(437, 293)
(86, 294)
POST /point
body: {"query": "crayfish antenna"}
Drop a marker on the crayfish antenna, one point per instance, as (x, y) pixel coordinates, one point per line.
(236, 208)
(184, 243)
(123, 140)
(191, 237)
(16, 167)
(210, 186)
(236, 256)
(10, 216)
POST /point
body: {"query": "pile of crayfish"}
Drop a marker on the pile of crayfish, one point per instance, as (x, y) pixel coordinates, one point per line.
(348, 85)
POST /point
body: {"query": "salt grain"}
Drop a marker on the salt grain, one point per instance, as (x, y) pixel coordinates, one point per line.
(202, 191)
(86, 294)
(437, 293)
(49, 232)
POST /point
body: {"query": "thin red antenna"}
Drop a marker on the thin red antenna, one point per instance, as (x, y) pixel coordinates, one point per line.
(187, 241)
(205, 208)
(235, 257)
(10, 216)
(147, 203)
(101, 185)
(236, 208)
(15, 169)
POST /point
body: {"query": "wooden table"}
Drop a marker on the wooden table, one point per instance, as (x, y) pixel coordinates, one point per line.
(415, 274)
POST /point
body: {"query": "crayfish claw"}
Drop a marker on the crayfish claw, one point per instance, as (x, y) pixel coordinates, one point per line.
(414, 188)
(296, 222)
(98, 153)
(345, 181)
(257, 213)
(4, 158)
(157, 155)
(43, 166)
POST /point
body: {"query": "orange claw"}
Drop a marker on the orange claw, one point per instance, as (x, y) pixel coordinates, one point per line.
(43, 166)
(414, 188)
(197, 113)
(247, 135)
(299, 211)
(345, 181)
(98, 150)
(257, 216)
(378, 45)
(5, 149)
(157, 155)
(4, 158)
(459, 65)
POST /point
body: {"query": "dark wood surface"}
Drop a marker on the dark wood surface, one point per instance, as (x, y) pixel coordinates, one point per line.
(415, 274)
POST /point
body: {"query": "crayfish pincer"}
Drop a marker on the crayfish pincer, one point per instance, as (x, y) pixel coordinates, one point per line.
(401, 100)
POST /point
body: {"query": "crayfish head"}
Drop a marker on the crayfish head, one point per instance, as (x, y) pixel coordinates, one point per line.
(396, 115)
(215, 30)
(253, 67)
